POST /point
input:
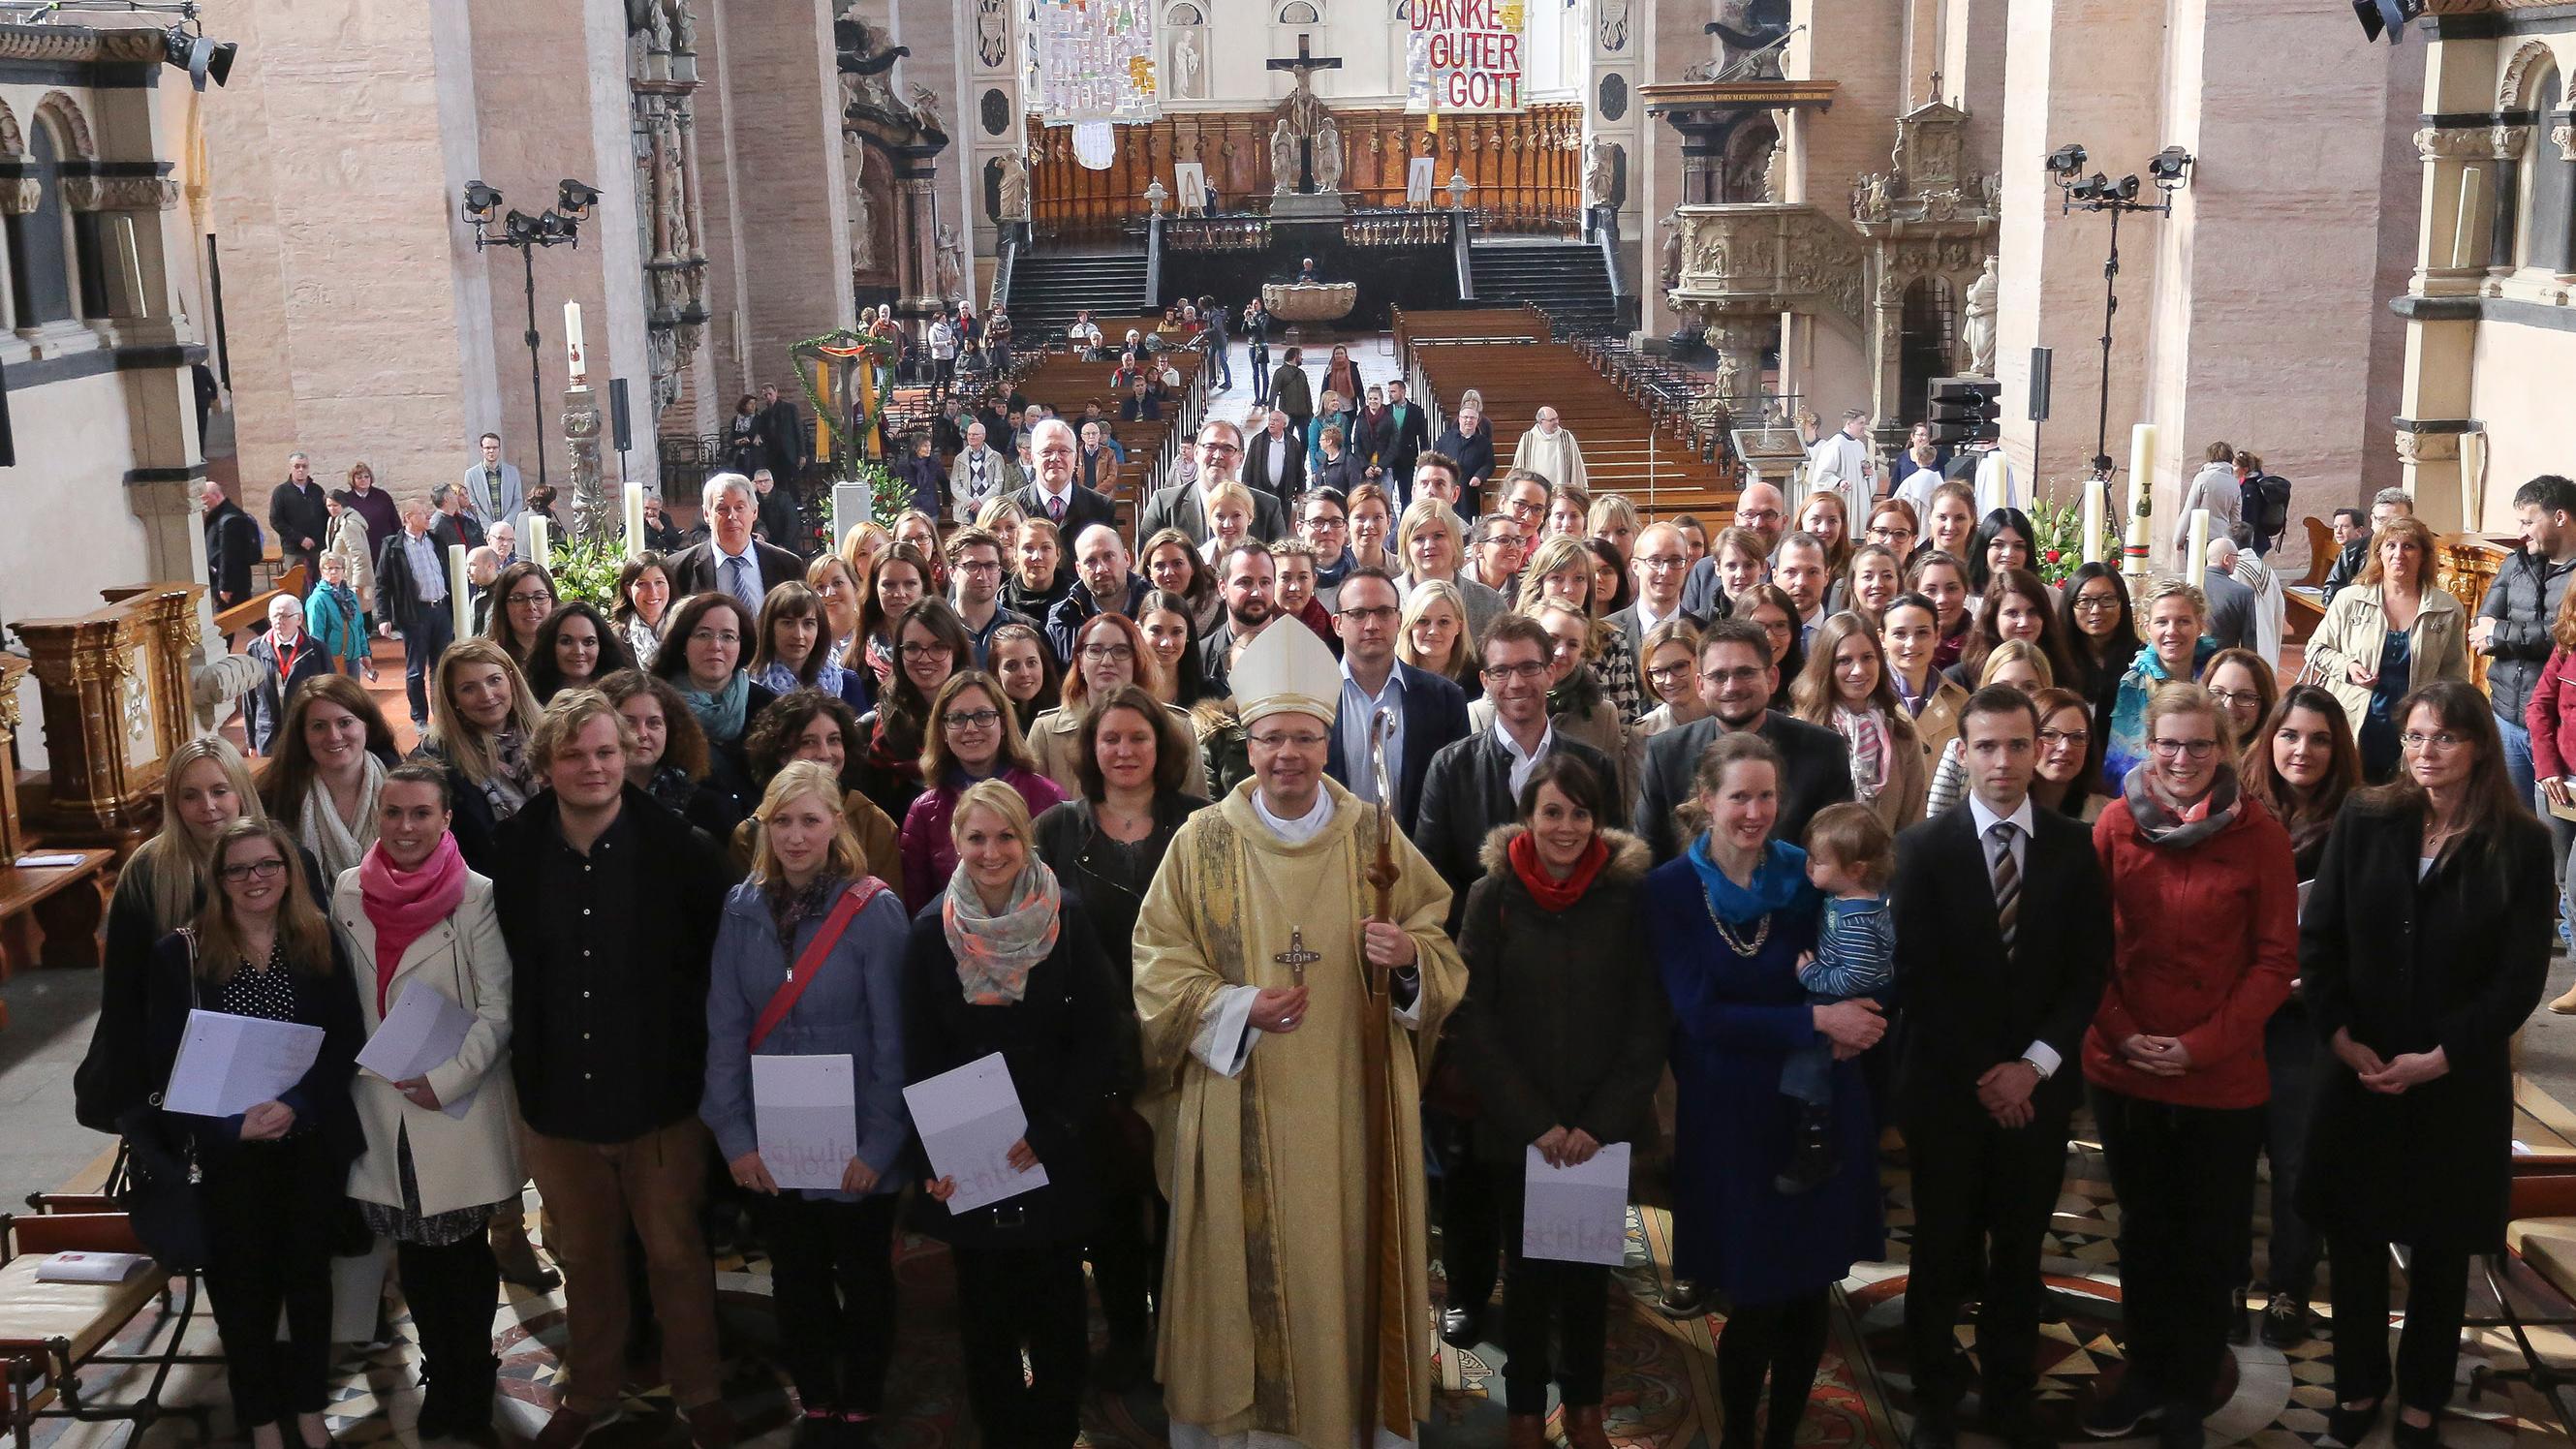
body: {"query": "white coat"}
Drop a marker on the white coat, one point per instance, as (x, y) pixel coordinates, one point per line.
(458, 1162)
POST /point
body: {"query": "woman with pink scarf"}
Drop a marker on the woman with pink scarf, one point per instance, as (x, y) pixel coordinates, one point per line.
(442, 1150)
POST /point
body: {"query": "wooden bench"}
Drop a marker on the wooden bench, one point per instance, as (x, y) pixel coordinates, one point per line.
(51, 1334)
(1625, 450)
(251, 614)
(1519, 323)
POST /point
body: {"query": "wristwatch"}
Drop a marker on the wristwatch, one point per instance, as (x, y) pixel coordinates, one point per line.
(2035, 1067)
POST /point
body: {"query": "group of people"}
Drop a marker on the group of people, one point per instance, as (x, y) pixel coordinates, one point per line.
(1308, 817)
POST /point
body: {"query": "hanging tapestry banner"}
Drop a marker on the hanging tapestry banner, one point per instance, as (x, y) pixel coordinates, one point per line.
(1095, 61)
(1465, 55)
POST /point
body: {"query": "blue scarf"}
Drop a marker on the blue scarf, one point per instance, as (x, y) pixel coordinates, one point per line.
(720, 714)
(1779, 882)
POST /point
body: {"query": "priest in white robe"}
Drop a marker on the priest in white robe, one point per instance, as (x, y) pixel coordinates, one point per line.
(1250, 979)
(1550, 451)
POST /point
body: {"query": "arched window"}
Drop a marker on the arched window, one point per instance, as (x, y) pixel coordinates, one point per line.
(40, 268)
(2546, 197)
(1300, 12)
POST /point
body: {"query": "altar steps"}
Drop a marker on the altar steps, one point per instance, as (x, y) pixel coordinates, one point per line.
(1049, 288)
(1567, 280)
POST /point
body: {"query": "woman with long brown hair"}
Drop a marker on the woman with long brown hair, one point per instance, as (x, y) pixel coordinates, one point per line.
(643, 599)
(332, 754)
(481, 720)
(2017, 604)
(931, 646)
(1845, 688)
(575, 649)
(900, 579)
(522, 597)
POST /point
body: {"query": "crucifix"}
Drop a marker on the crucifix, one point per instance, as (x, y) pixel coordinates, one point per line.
(1297, 958)
(1304, 112)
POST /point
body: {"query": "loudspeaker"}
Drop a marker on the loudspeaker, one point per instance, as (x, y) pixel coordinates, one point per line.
(8, 434)
(620, 427)
(2042, 362)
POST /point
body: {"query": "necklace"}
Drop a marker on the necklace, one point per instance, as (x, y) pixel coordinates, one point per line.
(1735, 943)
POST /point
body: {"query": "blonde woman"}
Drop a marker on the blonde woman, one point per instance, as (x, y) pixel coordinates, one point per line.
(1613, 519)
(1561, 572)
(860, 549)
(481, 718)
(1846, 687)
(1433, 636)
(1431, 544)
(1670, 667)
(2393, 631)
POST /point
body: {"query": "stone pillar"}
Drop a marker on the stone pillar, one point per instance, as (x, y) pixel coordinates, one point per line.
(783, 105)
(916, 200)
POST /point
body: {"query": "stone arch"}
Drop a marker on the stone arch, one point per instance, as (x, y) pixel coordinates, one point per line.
(2514, 91)
(13, 141)
(1301, 12)
(66, 115)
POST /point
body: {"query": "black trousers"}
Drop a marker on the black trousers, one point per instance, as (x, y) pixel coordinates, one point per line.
(271, 1206)
(2428, 1351)
(1782, 1341)
(1540, 1294)
(2290, 1055)
(421, 648)
(835, 1295)
(2181, 1174)
(452, 1291)
(1470, 1198)
(1983, 1195)
(1009, 1299)
(1127, 1261)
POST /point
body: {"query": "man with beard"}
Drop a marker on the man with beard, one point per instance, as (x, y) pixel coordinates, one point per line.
(1248, 580)
(1106, 582)
(1736, 681)
(1219, 455)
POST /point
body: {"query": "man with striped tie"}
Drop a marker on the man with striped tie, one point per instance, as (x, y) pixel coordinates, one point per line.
(2003, 940)
(729, 558)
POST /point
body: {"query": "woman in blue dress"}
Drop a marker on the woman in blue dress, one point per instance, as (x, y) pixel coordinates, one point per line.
(1729, 920)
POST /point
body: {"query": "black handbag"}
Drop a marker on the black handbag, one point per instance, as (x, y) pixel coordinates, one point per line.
(158, 1183)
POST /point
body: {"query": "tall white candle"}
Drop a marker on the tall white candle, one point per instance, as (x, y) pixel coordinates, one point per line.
(460, 605)
(634, 520)
(2198, 558)
(572, 345)
(541, 542)
(2096, 498)
(2142, 463)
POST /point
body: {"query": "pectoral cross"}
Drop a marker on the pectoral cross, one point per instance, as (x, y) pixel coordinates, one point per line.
(1297, 958)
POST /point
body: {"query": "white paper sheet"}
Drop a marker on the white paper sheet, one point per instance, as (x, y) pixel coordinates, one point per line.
(89, 1267)
(968, 1119)
(806, 1112)
(424, 1030)
(229, 1064)
(1576, 1214)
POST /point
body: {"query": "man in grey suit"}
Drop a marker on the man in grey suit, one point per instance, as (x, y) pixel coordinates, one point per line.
(492, 491)
(2231, 604)
(1659, 568)
(1183, 505)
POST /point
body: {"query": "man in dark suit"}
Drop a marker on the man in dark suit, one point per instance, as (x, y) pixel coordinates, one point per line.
(287, 656)
(298, 515)
(1737, 678)
(784, 426)
(1430, 712)
(1184, 505)
(2003, 940)
(731, 559)
(2231, 604)
(232, 547)
(455, 524)
(411, 600)
(1275, 462)
(1409, 437)
(1055, 494)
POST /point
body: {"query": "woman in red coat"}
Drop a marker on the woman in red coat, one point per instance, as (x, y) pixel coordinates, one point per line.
(2204, 906)
(2551, 717)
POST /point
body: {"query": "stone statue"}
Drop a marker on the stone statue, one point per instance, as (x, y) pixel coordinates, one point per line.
(1186, 64)
(1014, 188)
(952, 263)
(1600, 172)
(1729, 375)
(1672, 267)
(1328, 157)
(1979, 330)
(925, 112)
(863, 220)
(1283, 159)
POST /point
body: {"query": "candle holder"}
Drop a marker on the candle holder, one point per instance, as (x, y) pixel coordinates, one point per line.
(557, 225)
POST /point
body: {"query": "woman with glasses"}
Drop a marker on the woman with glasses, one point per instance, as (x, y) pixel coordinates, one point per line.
(1104, 844)
(2102, 638)
(711, 635)
(1672, 679)
(1846, 689)
(1894, 526)
(481, 720)
(972, 739)
(932, 646)
(2389, 632)
(2173, 623)
(1110, 652)
(2204, 920)
(522, 597)
(2245, 690)
(2424, 945)
(643, 599)
(575, 649)
(2066, 770)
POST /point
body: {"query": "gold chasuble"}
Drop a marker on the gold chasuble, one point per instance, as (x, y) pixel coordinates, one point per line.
(1265, 1334)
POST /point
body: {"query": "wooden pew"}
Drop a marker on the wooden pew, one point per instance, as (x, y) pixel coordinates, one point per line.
(1624, 451)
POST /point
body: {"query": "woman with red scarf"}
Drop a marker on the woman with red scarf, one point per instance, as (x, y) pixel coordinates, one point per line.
(441, 1154)
(1562, 1036)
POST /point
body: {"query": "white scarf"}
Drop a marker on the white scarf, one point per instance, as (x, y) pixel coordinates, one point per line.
(330, 839)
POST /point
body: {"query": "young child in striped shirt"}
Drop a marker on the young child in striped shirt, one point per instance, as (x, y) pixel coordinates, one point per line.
(1850, 856)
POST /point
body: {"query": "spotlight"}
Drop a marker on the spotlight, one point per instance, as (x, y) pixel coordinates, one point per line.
(481, 201)
(2170, 167)
(2066, 161)
(2091, 188)
(203, 59)
(2388, 15)
(520, 226)
(576, 198)
(2124, 189)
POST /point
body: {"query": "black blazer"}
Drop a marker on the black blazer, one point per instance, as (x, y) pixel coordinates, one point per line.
(1056, 1041)
(1969, 1003)
(298, 514)
(1256, 464)
(320, 1098)
(1345, 472)
(1817, 773)
(1087, 507)
(1410, 440)
(268, 702)
(693, 571)
(397, 592)
(449, 529)
(1435, 716)
(1467, 794)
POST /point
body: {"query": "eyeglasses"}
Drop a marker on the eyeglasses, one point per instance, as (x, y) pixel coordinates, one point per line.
(249, 869)
(2172, 749)
(1502, 673)
(970, 719)
(1747, 674)
(715, 636)
(979, 566)
(1220, 449)
(1108, 653)
(2439, 740)
(1663, 561)
(1285, 739)
(2065, 737)
(924, 651)
(1776, 629)
(1378, 614)
(2095, 603)
(1665, 673)
(523, 600)
(2230, 698)
(1327, 525)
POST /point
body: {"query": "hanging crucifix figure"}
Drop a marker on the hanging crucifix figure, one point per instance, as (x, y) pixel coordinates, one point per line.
(1297, 958)
(1303, 112)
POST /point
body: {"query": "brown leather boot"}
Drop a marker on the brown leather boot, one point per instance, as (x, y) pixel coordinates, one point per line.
(1583, 1427)
(516, 1255)
(1525, 1431)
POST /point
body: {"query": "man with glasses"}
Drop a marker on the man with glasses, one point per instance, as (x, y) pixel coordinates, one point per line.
(1056, 495)
(1425, 711)
(1324, 521)
(1219, 452)
(975, 576)
(1736, 681)
(1254, 972)
(730, 558)
(1660, 566)
(1759, 508)
(1496, 548)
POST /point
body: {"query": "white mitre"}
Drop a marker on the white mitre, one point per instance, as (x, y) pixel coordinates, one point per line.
(1286, 670)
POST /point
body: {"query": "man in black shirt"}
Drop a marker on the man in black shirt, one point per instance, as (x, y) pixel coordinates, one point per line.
(297, 514)
(609, 904)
